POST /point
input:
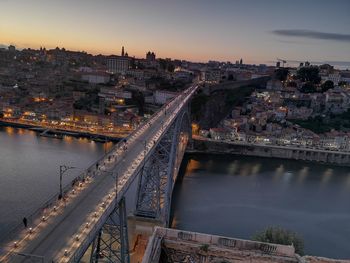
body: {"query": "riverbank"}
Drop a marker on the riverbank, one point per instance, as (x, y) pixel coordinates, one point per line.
(60, 132)
(206, 145)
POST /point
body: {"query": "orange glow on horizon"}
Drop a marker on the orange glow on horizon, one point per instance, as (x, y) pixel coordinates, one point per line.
(28, 39)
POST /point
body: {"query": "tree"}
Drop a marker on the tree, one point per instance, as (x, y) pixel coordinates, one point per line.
(139, 100)
(342, 83)
(308, 87)
(309, 74)
(231, 77)
(281, 74)
(327, 85)
(278, 235)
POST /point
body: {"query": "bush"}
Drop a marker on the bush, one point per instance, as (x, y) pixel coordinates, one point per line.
(308, 87)
(204, 247)
(278, 235)
(327, 85)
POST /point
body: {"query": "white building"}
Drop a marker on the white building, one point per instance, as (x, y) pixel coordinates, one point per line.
(335, 78)
(118, 64)
(136, 73)
(95, 77)
(113, 94)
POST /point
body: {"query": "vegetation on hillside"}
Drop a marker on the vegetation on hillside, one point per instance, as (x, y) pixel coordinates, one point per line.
(320, 124)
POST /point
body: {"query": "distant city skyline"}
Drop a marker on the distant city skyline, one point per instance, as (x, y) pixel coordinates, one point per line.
(257, 31)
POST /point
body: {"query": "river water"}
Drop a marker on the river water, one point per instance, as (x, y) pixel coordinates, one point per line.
(226, 195)
(237, 196)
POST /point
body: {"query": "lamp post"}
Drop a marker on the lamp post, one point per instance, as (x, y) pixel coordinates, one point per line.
(63, 169)
(116, 187)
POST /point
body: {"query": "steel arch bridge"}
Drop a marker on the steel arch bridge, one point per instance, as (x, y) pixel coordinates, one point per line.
(90, 220)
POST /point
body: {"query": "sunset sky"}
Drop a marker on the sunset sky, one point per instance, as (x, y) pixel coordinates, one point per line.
(198, 30)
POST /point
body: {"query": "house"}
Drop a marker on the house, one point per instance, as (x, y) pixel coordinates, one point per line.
(220, 133)
(95, 77)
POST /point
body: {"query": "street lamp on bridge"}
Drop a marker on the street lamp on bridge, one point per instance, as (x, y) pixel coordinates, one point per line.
(63, 169)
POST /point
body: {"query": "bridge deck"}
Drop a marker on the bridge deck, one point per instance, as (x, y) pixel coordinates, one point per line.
(64, 231)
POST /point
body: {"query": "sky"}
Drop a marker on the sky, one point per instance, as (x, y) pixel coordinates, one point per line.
(259, 31)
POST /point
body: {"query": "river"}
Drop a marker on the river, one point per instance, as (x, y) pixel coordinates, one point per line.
(237, 196)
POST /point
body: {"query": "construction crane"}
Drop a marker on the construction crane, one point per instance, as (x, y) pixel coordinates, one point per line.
(282, 60)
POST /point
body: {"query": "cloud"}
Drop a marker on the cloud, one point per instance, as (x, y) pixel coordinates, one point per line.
(312, 34)
(295, 42)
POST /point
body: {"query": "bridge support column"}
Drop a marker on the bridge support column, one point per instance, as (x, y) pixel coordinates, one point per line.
(111, 243)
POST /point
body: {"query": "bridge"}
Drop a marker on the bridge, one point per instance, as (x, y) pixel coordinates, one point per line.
(88, 221)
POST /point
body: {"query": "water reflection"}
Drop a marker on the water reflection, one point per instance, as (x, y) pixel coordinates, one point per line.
(232, 168)
(279, 172)
(303, 174)
(192, 166)
(326, 176)
(256, 168)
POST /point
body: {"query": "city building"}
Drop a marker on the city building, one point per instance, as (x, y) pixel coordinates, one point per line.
(119, 64)
(150, 56)
(95, 77)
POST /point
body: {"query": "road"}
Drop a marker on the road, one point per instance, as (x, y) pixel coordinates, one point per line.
(68, 228)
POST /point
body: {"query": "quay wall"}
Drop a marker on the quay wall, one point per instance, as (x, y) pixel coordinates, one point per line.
(295, 153)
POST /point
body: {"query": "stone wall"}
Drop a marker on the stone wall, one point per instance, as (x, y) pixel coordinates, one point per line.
(295, 153)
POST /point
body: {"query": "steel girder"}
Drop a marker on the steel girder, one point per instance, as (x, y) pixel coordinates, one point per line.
(111, 243)
(157, 177)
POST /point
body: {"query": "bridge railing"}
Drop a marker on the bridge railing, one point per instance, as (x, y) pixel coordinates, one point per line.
(90, 172)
